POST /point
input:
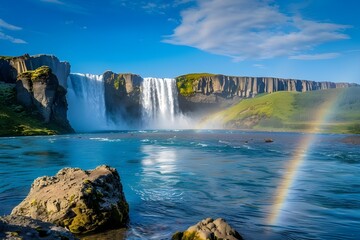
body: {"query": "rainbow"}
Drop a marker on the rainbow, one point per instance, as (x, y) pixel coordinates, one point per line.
(298, 158)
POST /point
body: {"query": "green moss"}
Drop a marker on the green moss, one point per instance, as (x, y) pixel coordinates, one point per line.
(33, 203)
(72, 197)
(190, 236)
(89, 190)
(6, 58)
(177, 236)
(40, 73)
(87, 181)
(186, 83)
(16, 121)
(119, 82)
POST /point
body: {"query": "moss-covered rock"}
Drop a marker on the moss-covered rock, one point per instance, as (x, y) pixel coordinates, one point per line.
(187, 84)
(209, 229)
(42, 73)
(17, 120)
(81, 201)
(39, 90)
(122, 88)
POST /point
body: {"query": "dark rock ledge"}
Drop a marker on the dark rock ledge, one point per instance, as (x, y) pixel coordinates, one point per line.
(19, 227)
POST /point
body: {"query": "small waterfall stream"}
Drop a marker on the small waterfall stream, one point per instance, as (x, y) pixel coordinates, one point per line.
(159, 100)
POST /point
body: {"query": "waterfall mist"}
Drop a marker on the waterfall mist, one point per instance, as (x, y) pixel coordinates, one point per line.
(86, 104)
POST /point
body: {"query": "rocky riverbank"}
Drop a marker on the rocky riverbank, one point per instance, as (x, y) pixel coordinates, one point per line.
(89, 204)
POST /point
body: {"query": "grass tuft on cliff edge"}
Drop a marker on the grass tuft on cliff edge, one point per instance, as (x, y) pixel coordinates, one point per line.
(39, 74)
(16, 121)
(186, 83)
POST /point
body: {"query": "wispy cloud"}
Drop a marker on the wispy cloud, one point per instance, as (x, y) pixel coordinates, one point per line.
(154, 6)
(3, 36)
(8, 26)
(250, 29)
(315, 56)
(258, 65)
(67, 6)
(53, 1)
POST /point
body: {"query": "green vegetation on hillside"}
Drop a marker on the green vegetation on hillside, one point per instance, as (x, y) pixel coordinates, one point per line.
(38, 74)
(6, 57)
(16, 121)
(294, 111)
(186, 83)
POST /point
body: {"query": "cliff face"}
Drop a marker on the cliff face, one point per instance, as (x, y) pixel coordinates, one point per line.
(7, 72)
(205, 90)
(40, 90)
(122, 96)
(18, 65)
(228, 86)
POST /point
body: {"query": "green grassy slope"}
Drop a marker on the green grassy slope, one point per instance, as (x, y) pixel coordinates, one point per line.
(294, 111)
(15, 121)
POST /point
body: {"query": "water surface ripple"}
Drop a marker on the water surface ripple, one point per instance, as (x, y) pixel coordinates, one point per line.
(173, 179)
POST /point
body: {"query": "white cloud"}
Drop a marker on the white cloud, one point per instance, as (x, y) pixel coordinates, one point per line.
(68, 6)
(315, 56)
(3, 36)
(258, 65)
(8, 26)
(54, 1)
(250, 29)
(154, 6)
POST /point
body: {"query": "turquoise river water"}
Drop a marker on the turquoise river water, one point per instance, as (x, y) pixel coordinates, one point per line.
(173, 179)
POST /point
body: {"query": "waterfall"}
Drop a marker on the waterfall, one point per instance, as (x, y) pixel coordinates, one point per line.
(160, 104)
(86, 103)
(87, 109)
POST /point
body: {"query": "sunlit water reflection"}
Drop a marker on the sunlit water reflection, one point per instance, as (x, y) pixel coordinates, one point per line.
(172, 179)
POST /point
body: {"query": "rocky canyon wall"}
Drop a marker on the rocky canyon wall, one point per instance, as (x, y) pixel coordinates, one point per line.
(211, 90)
(40, 90)
(122, 96)
(11, 67)
(228, 86)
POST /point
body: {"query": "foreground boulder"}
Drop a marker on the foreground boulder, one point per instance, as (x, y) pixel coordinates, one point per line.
(81, 201)
(20, 227)
(208, 229)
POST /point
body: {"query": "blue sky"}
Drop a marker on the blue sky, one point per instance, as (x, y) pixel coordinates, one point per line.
(309, 39)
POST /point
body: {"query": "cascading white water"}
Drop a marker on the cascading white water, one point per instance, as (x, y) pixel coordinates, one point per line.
(87, 110)
(86, 102)
(160, 107)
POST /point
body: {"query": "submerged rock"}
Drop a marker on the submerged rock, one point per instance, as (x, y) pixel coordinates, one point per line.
(81, 201)
(208, 229)
(20, 227)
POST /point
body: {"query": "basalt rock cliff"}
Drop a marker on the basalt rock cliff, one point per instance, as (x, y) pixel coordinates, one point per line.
(122, 95)
(40, 90)
(207, 90)
(11, 67)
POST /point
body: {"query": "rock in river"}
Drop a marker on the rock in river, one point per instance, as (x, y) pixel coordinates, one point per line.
(20, 227)
(208, 229)
(81, 201)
